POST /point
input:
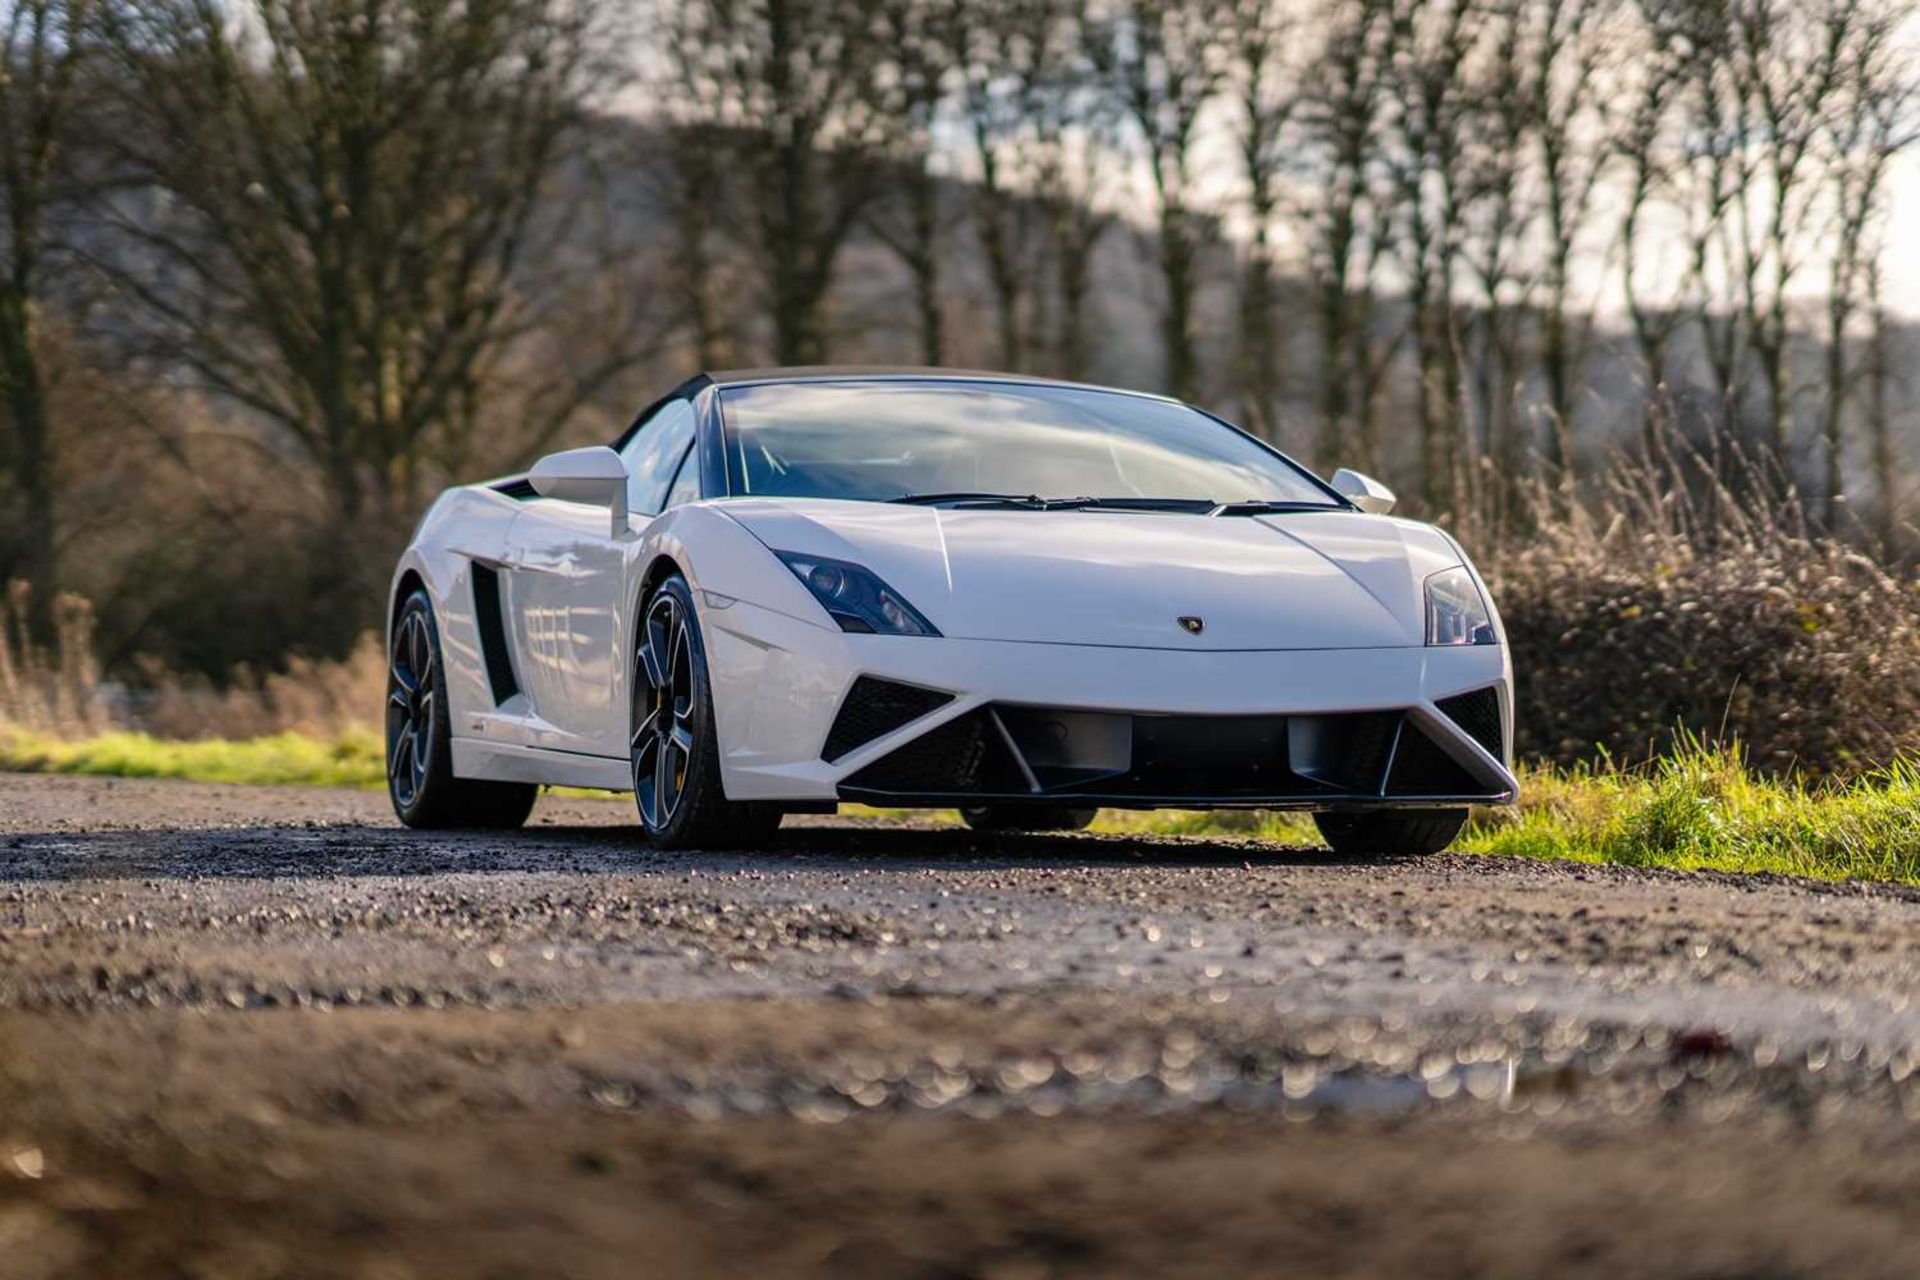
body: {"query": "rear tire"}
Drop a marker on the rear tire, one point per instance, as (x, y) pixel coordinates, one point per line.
(675, 743)
(1401, 833)
(420, 780)
(997, 818)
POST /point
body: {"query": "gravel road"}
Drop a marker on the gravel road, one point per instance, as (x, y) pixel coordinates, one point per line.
(264, 1032)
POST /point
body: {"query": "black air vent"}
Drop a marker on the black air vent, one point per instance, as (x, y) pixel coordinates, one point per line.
(875, 708)
(1479, 714)
(1422, 768)
(965, 755)
(492, 624)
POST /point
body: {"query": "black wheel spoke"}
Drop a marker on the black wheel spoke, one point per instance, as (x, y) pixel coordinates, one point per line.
(410, 707)
(644, 780)
(646, 729)
(402, 746)
(663, 741)
(665, 795)
(416, 646)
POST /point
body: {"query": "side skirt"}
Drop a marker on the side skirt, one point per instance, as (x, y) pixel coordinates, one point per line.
(508, 762)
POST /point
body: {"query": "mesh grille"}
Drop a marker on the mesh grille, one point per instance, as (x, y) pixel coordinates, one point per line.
(1479, 714)
(1422, 768)
(874, 708)
(965, 754)
(1372, 739)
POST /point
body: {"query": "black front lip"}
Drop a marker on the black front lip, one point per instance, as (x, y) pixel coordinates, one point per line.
(1126, 800)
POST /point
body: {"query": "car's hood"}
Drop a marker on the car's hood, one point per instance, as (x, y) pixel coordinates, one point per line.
(1307, 580)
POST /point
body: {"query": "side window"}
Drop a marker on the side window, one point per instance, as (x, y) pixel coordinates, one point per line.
(686, 485)
(653, 453)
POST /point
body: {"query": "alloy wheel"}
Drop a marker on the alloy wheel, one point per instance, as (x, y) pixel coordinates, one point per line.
(663, 733)
(410, 707)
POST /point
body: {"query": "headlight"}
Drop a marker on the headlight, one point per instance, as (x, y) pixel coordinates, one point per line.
(1456, 613)
(856, 598)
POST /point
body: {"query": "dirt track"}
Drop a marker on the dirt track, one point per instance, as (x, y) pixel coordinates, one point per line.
(251, 1032)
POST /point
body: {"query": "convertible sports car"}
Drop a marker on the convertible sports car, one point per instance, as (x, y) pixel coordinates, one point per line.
(1023, 599)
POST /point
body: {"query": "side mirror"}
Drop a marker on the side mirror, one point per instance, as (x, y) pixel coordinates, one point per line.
(594, 474)
(1363, 492)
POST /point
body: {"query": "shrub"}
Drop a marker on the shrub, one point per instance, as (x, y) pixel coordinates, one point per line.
(1660, 606)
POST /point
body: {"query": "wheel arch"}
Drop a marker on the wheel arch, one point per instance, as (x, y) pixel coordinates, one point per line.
(409, 581)
(663, 566)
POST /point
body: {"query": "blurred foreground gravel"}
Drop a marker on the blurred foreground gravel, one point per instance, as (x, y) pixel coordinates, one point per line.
(260, 1032)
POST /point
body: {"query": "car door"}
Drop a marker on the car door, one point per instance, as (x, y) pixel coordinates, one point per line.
(568, 570)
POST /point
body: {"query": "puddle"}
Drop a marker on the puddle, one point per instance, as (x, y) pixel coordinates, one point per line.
(1004, 1092)
(1363, 1092)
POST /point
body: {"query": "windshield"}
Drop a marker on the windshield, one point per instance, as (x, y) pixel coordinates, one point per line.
(885, 440)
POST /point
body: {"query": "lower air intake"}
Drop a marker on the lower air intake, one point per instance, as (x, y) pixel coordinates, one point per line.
(1479, 714)
(1422, 768)
(874, 708)
(966, 755)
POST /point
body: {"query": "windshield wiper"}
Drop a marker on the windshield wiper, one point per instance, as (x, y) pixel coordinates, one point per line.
(1130, 504)
(1265, 507)
(1034, 502)
(1030, 502)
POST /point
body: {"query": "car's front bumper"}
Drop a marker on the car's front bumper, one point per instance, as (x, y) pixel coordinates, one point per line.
(780, 683)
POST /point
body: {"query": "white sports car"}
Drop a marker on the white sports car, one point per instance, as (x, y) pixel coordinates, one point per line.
(785, 589)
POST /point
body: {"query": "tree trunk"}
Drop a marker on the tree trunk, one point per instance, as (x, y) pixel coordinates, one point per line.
(1335, 376)
(1880, 418)
(1833, 424)
(1259, 354)
(925, 194)
(1177, 266)
(32, 461)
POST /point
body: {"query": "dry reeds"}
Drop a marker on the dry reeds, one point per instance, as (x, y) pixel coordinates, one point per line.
(56, 689)
(1688, 594)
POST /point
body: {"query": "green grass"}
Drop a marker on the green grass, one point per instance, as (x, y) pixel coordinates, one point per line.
(353, 759)
(1701, 808)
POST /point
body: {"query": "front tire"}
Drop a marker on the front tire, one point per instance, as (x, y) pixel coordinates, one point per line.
(420, 780)
(998, 818)
(675, 742)
(1390, 833)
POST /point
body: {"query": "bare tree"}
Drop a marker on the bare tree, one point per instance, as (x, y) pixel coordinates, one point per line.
(1339, 126)
(689, 173)
(1073, 146)
(1784, 67)
(45, 44)
(1567, 84)
(1428, 95)
(344, 199)
(1265, 74)
(1498, 213)
(1645, 148)
(1872, 121)
(688, 170)
(1880, 377)
(1165, 65)
(1008, 53)
(908, 218)
(793, 83)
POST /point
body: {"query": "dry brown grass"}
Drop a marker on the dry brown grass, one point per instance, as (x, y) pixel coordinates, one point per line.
(1663, 605)
(55, 690)
(50, 689)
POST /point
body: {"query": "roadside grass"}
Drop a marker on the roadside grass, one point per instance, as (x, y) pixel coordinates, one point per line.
(351, 758)
(1699, 808)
